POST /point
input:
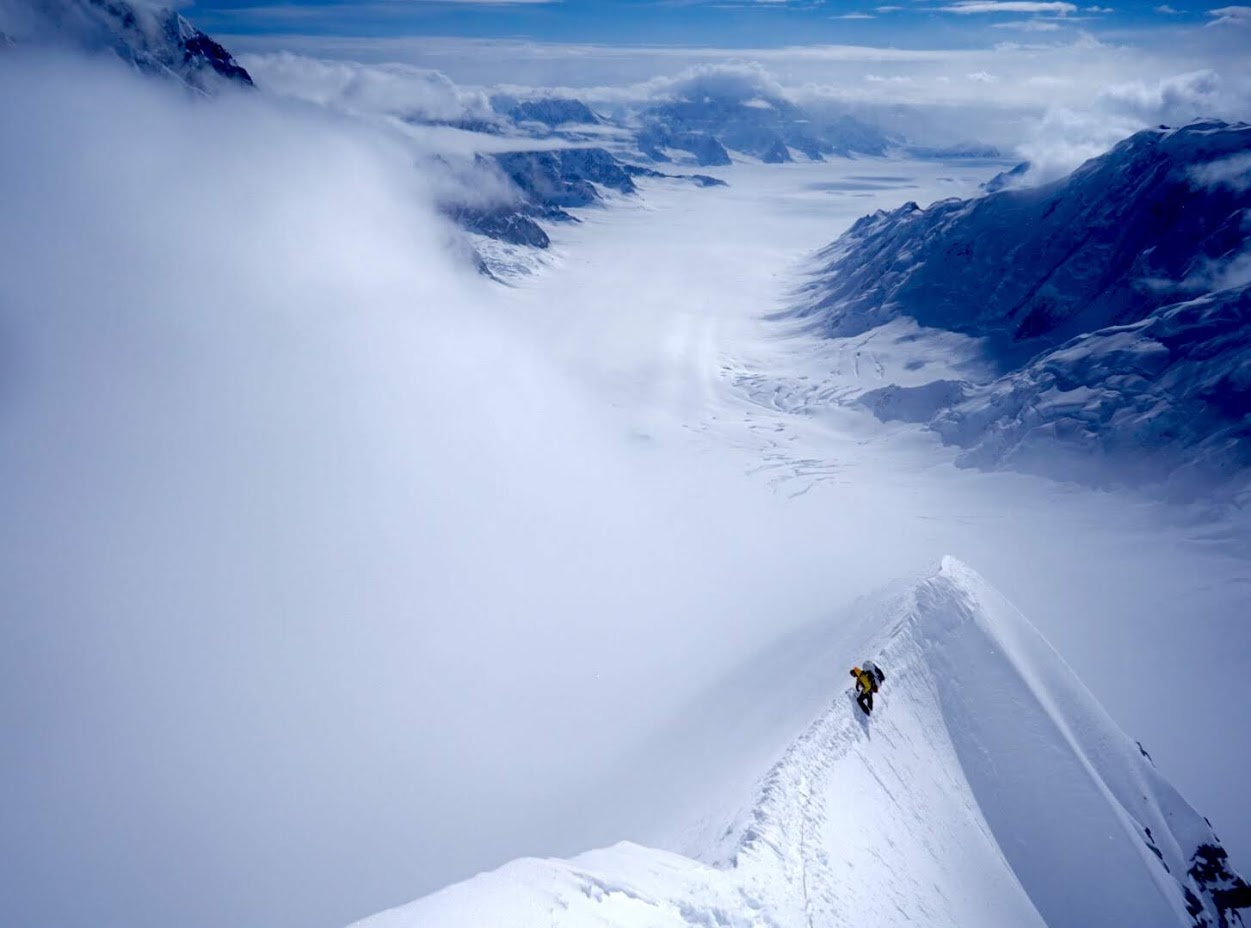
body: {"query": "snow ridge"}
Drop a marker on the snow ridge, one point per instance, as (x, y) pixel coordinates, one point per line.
(988, 788)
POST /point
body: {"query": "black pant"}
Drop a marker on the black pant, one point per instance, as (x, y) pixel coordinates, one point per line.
(866, 702)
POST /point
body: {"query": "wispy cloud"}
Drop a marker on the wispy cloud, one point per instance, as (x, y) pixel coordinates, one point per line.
(1029, 25)
(1009, 6)
(1233, 172)
(1231, 16)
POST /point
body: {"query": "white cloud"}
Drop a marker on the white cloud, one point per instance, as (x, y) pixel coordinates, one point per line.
(290, 499)
(739, 82)
(1029, 25)
(1233, 172)
(1069, 134)
(1231, 16)
(1173, 100)
(393, 89)
(1009, 6)
(1167, 10)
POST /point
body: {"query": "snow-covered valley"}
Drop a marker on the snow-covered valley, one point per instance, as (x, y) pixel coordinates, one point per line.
(677, 331)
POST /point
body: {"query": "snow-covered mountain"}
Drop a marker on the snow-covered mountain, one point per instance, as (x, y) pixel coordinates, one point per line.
(154, 39)
(768, 128)
(988, 789)
(552, 112)
(544, 184)
(707, 120)
(1112, 303)
(1124, 234)
(1163, 399)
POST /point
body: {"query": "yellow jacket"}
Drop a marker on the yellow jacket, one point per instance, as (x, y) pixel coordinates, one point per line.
(864, 680)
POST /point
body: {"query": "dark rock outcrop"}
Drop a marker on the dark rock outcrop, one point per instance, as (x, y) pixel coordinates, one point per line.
(1229, 891)
(503, 223)
(1005, 180)
(153, 40)
(565, 177)
(553, 112)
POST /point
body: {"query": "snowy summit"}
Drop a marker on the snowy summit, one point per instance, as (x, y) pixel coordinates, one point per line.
(958, 804)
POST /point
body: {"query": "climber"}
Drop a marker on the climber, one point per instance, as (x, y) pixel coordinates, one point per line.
(868, 680)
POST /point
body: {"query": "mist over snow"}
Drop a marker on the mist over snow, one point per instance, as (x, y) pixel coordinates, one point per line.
(394, 89)
(301, 537)
(334, 571)
(1056, 101)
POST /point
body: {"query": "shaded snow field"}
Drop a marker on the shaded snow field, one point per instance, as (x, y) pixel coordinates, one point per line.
(987, 789)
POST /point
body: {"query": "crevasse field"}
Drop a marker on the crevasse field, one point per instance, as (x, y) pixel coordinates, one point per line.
(334, 572)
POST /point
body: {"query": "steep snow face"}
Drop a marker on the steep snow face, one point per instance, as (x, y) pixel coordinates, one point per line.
(1164, 398)
(987, 789)
(153, 39)
(1111, 307)
(1150, 223)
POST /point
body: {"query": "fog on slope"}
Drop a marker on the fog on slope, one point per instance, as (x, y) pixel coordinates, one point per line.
(321, 586)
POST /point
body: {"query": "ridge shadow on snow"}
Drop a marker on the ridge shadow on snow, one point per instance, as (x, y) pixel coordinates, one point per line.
(989, 788)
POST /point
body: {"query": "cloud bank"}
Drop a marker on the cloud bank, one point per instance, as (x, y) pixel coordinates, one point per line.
(322, 585)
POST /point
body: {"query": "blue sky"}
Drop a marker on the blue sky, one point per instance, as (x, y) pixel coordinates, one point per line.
(721, 23)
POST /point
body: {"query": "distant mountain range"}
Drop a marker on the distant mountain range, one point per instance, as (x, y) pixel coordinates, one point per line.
(1113, 303)
(162, 43)
(695, 128)
(705, 129)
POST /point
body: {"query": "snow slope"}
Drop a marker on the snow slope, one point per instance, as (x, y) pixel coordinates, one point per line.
(1167, 397)
(988, 789)
(1109, 307)
(1158, 218)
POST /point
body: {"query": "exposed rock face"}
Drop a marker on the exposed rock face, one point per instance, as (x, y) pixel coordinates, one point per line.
(503, 223)
(765, 128)
(1228, 891)
(553, 112)
(707, 151)
(155, 41)
(565, 177)
(1006, 180)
